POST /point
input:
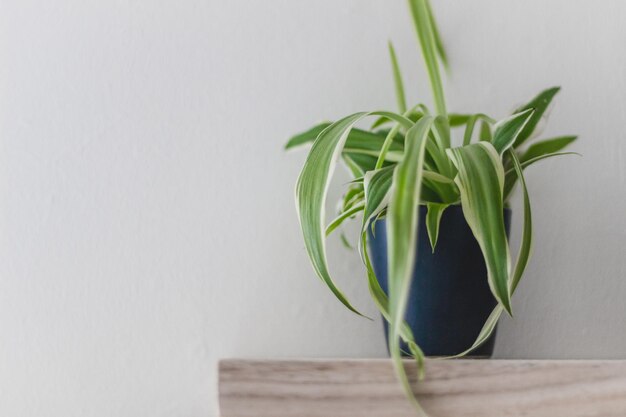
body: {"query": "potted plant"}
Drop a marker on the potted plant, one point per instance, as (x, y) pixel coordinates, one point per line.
(432, 189)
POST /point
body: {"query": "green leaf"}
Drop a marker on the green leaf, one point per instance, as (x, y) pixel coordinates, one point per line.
(485, 332)
(480, 180)
(523, 257)
(433, 218)
(382, 303)
(441, 131)
(358, 140)
(378, 294)
(312, 187)
(413, 115)
(471, 123)
(540, 103)
(377, 184)
(311, 190)
(549, 155)
(359, 164)
(441, 51)
(469, 130)
(426, 37)
(525, 249)
(508, 130)
(344, 240)
(402, 222)
(306, 137)
(386, 147)
(510, 177)
(456, 119)
(485, 131)
(353, 196)
(342, 217)
(547, 146)
(397, 79)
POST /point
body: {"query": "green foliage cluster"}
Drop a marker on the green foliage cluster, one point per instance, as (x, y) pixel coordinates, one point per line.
(407, 159)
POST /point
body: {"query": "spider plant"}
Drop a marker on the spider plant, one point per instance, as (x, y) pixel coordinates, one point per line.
(409, 158)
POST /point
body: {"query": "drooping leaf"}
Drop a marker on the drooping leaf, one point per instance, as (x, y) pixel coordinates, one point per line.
(508, 130)
(378, 294)
(402, 222)
(485, 332)
(525, 249)
(523, 257)
(510, 177)
(312, 187)
(545, 156)
(397, 79)
(480, 180)
(540, 103)
(433, 218)
(311, 190)
(547, 146)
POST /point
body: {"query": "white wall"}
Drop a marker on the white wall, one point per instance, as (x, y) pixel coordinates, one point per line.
(147, 220)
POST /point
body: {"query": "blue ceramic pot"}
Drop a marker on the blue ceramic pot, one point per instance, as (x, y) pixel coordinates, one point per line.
(450, 298)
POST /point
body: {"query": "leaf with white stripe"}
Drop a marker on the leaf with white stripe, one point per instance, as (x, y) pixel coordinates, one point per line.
(509, 129)
(312, 188)
(540, 104)
(480, 179)
(433, 219)
(402, 223)
(523, 257)
(546, 147)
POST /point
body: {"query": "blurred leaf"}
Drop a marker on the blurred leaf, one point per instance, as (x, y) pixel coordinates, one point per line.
(402, 222)
(397, 79)
(540, 103)
(306, 136)
(510, 177)
(485, 131)
(351, 212)
(456, 119)
(509, 129)
(441, 51)
(425, 34)
(344, 240)
(547, 146)
(471, 124)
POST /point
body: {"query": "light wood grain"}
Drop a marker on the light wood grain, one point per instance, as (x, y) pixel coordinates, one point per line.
(453, 388)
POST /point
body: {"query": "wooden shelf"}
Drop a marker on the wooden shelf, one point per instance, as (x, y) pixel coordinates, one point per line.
(452, 388)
